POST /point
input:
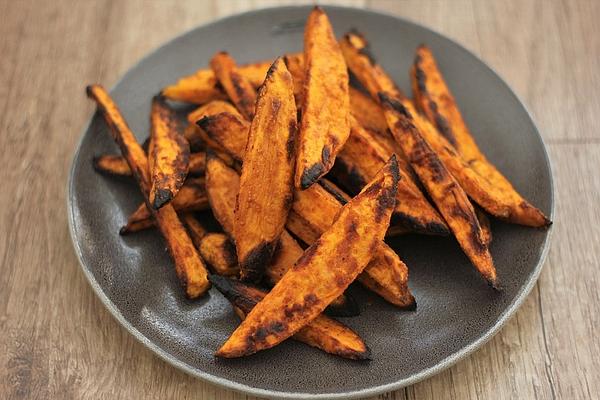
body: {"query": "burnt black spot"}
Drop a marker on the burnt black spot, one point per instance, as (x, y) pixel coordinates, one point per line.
(325, 154)
(253, 267)
(261, 334)
(442, 124)
(385, 202)
(162, 197)
(311, 175)
(273, 68)
(205, 122)
(146, 144)
(229, 252)
(276, 327)
(421, 78)
(235, 291)
(393, 104)
(416, 225)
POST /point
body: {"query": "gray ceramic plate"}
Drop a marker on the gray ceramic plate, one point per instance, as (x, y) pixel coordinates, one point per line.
(457, 312)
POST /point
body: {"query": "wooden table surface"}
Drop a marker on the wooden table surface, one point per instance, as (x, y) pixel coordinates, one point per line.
(58, 341)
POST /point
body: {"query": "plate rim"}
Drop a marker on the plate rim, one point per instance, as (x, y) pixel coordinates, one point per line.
(370, 391)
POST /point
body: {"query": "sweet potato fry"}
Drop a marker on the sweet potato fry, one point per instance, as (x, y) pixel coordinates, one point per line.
(191, 197)
(196, 136)
(168, 156)
(237, 87)
(222, 187)
(117, 165)
(486, 227)
(229, 131)
(433, 97)
(201, 87)
(109, 164)
(323, 333)
(447, 194)
(324, 126)
(323, 272)
(366, 111)
(319, 205)
(295, 65)
(266, 182)
(215, 248)
(314, 210)
(358, 162)
(188, 264)
(363, 65)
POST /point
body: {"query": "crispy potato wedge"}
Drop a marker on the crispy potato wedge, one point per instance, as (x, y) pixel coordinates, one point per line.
(363, 65)
(169, 154)
(215, 248)
(188, 265)
(360, 160)
(323, 272)
(366, 111)
(323, 333)
(229, 131)
(325, 124)
(222, 187)
(237, 87)
(191, 197)
(450, 198)
(433, 97)
(117, 165)
(318, 206)
(266, 182)
(202, 87)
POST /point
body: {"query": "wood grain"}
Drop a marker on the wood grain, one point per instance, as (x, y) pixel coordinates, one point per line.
(59, 342)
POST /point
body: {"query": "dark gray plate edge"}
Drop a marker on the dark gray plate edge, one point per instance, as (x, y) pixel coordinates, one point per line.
(429, 372)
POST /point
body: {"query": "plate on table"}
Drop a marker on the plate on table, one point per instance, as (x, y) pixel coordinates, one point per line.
(457, 312)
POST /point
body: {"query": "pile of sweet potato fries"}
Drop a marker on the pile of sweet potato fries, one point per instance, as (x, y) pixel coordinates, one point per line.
(266, 151)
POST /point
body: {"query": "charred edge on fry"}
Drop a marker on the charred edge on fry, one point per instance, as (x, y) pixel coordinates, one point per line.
(311, 175)
(440, 122)
(231, 289)
(162, 197)
(415, 225)
(256, 261)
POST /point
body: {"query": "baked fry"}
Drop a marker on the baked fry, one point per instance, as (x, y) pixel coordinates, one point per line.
(191, 197)
(266, 182)
(314, 210)
(188, 264)
(295, 65)
(366, 111)
(433, 97)
(323, 333)
(117, 165)
(363, 65)
(319, 205)
(486, 227)
(449, 197)
(222, 187)
(360, 160)
(215, 248)
(202, 87)
(323, 272)
(229, 131)
(197, 136)
(324, 126)
(237, 87)
(109, 164)
(168, 156)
